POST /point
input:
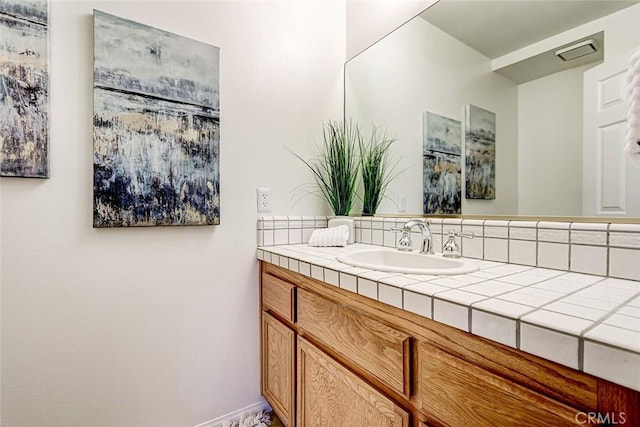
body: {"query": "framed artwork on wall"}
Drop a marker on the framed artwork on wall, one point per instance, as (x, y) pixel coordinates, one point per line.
(156, 127)
(24, 88)
(480, 153)
(441, 160)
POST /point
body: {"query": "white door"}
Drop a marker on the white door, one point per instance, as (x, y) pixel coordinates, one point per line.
(610, 182)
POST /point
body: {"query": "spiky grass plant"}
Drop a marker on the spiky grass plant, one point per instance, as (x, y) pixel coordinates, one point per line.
(335, 169)
(377, 168)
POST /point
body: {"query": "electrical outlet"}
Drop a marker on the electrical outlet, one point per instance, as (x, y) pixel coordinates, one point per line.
(402, 202)
(264, 199)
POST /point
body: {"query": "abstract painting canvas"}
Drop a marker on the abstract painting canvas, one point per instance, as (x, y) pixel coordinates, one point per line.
(480, 153)
(156, 127)
(441, 155)
(24, 88)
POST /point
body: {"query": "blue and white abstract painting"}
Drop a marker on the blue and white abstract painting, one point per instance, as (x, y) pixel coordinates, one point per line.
(24, 88)
(480, 153)
(156, 127)
(441, 160)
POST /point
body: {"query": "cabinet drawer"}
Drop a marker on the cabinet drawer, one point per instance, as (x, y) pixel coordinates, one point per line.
(277, 296)
(367, 343)
(458, 393)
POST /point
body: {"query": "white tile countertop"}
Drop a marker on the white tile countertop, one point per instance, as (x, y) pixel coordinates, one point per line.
(587, 322)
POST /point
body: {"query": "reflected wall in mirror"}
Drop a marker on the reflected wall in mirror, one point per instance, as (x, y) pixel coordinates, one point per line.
(559, 123)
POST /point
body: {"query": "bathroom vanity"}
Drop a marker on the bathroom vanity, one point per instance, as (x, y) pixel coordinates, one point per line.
(335, 357)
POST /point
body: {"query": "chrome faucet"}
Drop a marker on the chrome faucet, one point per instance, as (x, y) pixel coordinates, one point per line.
(404, 244)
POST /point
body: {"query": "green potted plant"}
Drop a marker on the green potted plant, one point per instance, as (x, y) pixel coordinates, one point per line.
(377, 169)
(335, 169)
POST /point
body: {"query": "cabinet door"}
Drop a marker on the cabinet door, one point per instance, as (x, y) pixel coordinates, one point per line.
(457, 393)
(331, 395)
(278, 368)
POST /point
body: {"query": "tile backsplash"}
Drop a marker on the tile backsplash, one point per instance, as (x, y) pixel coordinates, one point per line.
(592, 248)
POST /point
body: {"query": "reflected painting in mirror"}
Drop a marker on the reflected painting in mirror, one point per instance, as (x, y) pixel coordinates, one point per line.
(442, 166)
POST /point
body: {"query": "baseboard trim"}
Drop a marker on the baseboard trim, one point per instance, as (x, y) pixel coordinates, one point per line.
(262, 405)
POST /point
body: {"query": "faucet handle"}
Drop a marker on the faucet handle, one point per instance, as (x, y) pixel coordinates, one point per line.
(468, 235)
(404, 244)
(451, 248)
(455, 233)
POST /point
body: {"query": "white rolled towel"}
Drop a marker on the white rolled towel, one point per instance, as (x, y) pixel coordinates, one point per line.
(632, 147)
(333, 236)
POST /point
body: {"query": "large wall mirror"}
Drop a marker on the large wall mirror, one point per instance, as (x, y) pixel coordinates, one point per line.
(554, 74)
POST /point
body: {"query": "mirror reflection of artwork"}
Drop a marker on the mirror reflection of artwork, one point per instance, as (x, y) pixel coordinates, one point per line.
(441, 159)
(24, 88)
(156, 127)
(480, 153)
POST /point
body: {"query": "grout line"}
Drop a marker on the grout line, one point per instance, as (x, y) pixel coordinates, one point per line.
(537, 244)
(608, 250)
(433, 307)
(570, 248)
(508, 242)
(580, 353)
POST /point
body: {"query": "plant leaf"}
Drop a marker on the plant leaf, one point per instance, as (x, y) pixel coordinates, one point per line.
(335, 170)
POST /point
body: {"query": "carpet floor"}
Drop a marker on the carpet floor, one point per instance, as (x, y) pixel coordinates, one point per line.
(275, 421)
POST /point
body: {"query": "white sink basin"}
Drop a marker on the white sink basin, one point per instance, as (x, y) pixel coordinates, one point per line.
(395, 261)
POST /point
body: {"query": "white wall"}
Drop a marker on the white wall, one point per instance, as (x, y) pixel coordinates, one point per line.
(370, 20)
(550, 144)
(158, 326)
(397, 80)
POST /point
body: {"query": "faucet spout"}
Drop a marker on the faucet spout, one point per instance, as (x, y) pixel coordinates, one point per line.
(427, 237)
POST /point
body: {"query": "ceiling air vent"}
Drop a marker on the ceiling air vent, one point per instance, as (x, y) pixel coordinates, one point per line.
(577, 50)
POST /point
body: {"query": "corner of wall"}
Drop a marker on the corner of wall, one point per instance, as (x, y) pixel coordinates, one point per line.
(369, 21)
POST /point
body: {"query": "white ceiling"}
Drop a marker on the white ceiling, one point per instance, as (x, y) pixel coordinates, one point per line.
(495, 28)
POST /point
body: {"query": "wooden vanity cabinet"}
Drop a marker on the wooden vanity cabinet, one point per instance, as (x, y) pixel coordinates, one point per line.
(334, 358)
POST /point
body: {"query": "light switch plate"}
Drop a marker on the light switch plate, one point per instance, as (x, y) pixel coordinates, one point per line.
(402, 202)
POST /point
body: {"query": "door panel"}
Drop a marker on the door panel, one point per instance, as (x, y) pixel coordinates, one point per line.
(609, 178)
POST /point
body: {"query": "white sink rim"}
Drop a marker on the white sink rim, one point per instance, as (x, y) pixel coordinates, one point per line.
(363, 258)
